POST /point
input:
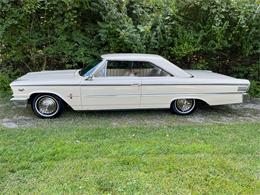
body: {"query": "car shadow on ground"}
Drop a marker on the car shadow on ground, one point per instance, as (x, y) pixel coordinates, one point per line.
(202, 108)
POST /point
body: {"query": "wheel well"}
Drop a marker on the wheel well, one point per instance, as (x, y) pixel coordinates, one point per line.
(30, 100)
(198, 101)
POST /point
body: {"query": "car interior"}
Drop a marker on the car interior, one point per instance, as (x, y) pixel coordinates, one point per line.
(128, 68)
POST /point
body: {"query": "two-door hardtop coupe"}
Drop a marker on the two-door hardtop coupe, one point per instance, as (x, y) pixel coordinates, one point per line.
(126, 81)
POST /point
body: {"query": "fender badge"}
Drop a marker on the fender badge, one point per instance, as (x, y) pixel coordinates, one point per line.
(21, 89)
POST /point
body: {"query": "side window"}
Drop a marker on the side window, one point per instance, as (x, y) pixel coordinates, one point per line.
(116, 69)
(130, 68)
(119, 68)
(147, 69)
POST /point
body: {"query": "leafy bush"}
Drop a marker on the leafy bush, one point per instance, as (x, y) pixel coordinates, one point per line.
(4, 82)
(255, 89)
(221, 35)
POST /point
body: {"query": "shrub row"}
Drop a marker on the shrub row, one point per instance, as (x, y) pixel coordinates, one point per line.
(221, 35)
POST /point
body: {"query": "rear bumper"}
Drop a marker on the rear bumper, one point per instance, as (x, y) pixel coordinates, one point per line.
(20, 102)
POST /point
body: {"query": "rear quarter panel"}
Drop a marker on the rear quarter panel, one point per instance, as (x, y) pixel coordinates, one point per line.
(161, 92)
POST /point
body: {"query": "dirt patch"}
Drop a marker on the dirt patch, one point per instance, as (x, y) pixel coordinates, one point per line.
(246, 112)
(255, 106)
(20, 121)
(8, 123)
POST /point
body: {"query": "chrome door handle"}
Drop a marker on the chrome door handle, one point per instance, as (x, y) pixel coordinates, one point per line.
(136, 84)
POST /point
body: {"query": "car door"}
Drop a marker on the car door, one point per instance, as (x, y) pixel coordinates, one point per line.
(113, 87)
(156, 91)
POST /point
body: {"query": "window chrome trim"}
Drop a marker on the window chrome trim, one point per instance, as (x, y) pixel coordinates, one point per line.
(105, 64)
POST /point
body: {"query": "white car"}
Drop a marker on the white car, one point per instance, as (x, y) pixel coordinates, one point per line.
(126, 81)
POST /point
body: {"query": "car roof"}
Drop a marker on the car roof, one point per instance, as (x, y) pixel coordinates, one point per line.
(155, 59)
(130, 56)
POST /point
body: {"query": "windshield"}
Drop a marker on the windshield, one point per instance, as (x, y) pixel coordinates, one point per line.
(89, 69)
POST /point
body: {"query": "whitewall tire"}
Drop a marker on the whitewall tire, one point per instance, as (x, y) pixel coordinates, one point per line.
(47, 106)
(183, 106)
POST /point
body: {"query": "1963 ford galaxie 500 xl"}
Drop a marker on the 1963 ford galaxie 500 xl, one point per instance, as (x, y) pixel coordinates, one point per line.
(126, 81)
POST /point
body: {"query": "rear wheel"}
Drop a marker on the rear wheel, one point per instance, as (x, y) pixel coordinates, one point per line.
(47, 106)
(183, 106)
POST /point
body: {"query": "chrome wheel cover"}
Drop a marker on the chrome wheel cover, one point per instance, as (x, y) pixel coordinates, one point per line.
(47, 106)
(184, 105)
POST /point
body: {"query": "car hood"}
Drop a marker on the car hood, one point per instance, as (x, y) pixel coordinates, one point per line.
(48, 77)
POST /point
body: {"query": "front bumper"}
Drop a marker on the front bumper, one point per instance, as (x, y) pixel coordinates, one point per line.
(20, 102)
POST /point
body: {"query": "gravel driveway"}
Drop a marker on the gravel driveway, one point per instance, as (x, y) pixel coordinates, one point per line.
(14, 117)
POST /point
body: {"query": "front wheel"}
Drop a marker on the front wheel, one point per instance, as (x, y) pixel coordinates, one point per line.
(183, 106)
(47, 106)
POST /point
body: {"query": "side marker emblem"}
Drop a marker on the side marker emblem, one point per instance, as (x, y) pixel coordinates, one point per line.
(21, 89)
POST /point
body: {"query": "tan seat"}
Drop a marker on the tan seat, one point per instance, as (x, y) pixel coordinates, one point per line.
(145, 72)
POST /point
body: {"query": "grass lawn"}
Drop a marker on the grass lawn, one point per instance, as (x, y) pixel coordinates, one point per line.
(107, 159)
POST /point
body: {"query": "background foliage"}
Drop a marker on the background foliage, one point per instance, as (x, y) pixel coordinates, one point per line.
(221, 35)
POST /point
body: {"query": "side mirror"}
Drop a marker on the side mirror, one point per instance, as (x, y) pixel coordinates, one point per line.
(89, 78)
